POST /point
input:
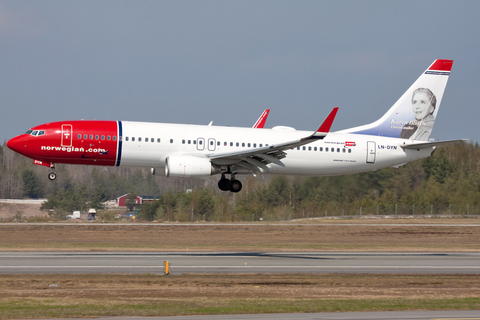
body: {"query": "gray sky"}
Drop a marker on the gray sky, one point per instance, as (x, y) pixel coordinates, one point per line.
(227, 61)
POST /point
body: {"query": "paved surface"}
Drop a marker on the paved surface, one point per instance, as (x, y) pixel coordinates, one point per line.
(403, 315)
(254, 262)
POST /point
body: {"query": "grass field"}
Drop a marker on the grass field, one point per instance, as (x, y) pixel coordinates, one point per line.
(79, 295)
(337, 235)
(58, 296)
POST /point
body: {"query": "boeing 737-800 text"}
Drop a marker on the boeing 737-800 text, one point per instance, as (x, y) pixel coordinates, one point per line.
(182, 150)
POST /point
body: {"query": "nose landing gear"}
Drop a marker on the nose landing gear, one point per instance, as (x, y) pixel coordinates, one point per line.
(52, 175)
(232, 185)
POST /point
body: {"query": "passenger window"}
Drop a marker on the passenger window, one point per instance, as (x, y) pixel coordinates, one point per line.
(231, 144)
(225, 143)
(260, 145)
(183, 141)
(238, 144)
(158, 140)
(200, 142)
(338, 149)
(96, 137)
(309, 148)
(304, 148)
(326, 149)
(114, 138)
(194, 141)
(146, 139)
(139, 139)
(254, 145)
(79, 136)
(126, 138)
(91, 137)
(349, 150)
(315, 149)
(103, 137)
(321, 148)
(171, 140)
(85, 136)
(298, 148)
(243, 144)
(189, 141)
(152, 140)
(218, 143)
(343, 150)
(211, 143)
(133, 138)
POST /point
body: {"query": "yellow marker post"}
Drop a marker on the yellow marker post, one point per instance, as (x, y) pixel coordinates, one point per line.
(166, 268)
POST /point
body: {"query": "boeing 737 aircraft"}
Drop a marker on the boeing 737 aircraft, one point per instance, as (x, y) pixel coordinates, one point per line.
(182, 150)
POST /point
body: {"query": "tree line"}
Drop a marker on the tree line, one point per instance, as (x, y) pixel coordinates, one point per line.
(448, 181)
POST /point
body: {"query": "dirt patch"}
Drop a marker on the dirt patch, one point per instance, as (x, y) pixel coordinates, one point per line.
(10, 210)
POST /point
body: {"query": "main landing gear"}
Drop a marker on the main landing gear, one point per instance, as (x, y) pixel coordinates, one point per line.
(232, 185)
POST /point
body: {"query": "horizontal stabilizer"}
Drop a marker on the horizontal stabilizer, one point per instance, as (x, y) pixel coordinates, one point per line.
(425, 145)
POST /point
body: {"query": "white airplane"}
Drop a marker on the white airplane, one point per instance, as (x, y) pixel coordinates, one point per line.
(399, 136)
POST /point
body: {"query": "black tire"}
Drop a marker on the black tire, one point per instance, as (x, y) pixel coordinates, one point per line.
(235, 186)
(52, 176)
(224, 184)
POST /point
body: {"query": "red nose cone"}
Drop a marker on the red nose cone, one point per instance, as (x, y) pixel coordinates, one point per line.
(17, 144)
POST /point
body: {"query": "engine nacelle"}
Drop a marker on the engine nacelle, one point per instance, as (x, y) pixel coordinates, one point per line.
(188, 167)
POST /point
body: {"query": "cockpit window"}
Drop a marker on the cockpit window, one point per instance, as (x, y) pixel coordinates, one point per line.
(41, 133)
(28, 131)
(34, 133)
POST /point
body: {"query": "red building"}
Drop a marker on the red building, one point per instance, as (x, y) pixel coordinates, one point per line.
(121, 200)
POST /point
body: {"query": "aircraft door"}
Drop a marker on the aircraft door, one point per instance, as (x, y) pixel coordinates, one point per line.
(371, 151)
(67, 132)
(200, 144)
(211, 144)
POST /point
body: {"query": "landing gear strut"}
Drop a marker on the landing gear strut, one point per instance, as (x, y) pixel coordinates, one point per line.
(232, 185)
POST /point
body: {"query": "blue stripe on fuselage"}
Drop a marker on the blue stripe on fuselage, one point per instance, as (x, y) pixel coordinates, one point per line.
(120, 138)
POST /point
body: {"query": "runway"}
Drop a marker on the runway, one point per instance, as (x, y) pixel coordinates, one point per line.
(240, 262)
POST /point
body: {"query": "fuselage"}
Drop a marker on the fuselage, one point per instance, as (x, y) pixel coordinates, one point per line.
(147, 144)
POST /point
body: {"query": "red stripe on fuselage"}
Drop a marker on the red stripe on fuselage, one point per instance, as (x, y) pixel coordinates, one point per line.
(92, 150)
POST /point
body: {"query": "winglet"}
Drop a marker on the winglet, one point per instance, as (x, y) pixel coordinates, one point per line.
(327, 123)
(261, 121)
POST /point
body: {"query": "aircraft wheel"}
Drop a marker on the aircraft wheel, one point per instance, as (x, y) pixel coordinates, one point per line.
(52, 176)
(235, 186)
(224, 184)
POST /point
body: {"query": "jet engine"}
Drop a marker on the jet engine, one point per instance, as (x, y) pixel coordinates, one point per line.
(188, 167)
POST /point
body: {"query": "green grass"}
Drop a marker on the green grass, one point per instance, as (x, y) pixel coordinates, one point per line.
(41, 308)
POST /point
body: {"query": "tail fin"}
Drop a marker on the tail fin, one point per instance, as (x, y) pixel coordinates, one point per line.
(261, 121)
(413, 115)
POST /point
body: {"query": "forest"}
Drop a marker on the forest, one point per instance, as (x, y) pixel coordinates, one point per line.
(448, 182)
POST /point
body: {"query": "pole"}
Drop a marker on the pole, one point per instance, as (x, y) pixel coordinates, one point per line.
(166, 267)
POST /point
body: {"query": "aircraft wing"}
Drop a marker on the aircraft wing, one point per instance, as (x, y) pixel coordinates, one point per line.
(256, 159)
(428, 144)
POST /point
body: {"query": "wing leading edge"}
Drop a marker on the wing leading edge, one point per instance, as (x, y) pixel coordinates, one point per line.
(257, 159)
